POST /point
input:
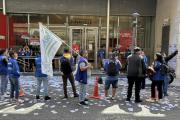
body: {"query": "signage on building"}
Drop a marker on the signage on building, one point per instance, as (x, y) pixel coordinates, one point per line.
(125, 40)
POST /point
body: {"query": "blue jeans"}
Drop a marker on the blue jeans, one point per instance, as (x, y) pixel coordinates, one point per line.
(165, 84)
(45, 85)
(82, 92)
(4, 82)
(14, 87)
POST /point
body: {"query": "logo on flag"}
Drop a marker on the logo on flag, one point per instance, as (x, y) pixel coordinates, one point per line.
(49, 45)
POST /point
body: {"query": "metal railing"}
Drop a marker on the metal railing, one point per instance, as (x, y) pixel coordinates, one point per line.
(27, 64)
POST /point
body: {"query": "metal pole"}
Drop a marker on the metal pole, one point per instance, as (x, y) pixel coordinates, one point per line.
(28, 23)
(4, 7)
(107, 34)
(135, 42)
(118, 32)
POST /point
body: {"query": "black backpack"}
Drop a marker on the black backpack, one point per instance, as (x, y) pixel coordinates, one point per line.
(112, 68)
(164, 68)
(66, 66)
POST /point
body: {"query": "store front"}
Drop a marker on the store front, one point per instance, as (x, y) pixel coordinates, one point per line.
(84, 32)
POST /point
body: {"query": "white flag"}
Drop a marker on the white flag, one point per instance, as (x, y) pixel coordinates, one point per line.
(49, 44)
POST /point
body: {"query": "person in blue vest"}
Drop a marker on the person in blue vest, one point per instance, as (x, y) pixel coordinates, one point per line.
(158, 78)
(3, 71)
(101, 55)
(14, 74)
(81, 76)
(41, 78)
(112, 69)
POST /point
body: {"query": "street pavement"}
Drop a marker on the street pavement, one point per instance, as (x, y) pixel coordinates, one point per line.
(68, 109)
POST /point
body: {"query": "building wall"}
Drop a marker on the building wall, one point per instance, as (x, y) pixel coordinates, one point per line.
(167, 9)
(82, 7)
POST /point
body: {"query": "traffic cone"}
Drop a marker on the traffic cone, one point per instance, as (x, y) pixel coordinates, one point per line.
(96, 90)
(21, 92)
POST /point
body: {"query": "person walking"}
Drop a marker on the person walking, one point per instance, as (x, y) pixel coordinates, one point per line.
(3, 72)
(67, 65)
(134, 73)
(112, 68)
(41, 78)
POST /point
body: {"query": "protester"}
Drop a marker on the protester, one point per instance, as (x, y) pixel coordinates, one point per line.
(167, 76)
(112, 68)
(3, 72)
(41, 78)
(67, 65)
(101, 56)
(134, 73)
(14, 74)
(81, 76)
(145, 60)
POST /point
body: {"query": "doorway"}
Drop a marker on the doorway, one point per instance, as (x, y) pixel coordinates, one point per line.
(82, 37)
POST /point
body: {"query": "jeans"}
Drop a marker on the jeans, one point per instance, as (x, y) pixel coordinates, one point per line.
(82, 92)
(71, 80)
(165, 84)
(45, 85)
(4, 82)
(143, 82)
(131, 81)
(14, 87)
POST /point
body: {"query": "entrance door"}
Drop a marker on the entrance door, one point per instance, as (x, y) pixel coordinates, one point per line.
(85, 38)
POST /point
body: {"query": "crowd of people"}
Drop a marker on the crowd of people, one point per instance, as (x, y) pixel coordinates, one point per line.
(137, 67)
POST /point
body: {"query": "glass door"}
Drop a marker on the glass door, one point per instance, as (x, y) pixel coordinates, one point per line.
(85, 38)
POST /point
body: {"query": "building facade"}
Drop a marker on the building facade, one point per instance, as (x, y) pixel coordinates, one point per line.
(82, 23)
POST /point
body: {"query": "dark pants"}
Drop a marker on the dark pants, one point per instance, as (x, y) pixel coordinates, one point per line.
(159, 88)
(14, 87)
(131, 81)
(71, 80)
(143, 83)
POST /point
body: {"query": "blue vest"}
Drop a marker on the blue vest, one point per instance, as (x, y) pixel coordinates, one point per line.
(38, 72)
(81, 76)
(3, 67)
(157, 76)
(13, 68)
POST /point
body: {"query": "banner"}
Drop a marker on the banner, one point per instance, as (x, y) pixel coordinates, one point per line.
(49, 45)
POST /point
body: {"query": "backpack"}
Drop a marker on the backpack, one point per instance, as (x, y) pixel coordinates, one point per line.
(164, 68)
(112, 69)
(66, 66)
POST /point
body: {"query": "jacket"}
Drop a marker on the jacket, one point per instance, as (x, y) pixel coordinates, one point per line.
(38, 71)
(3, 65)
(81, 76)
(13, 68)
(134, 66)
(157, 76)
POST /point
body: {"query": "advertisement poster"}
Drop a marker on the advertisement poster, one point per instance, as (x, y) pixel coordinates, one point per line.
(125, 40)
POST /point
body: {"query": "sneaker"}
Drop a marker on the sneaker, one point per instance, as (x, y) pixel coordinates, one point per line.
(86, 99)
(166, 95)
(37, 97)
(113, 98)
(6, 95)
(76, 95)
(128, 99)
(47, 98)
(65, 97)
(138, 101)
(82, 103)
